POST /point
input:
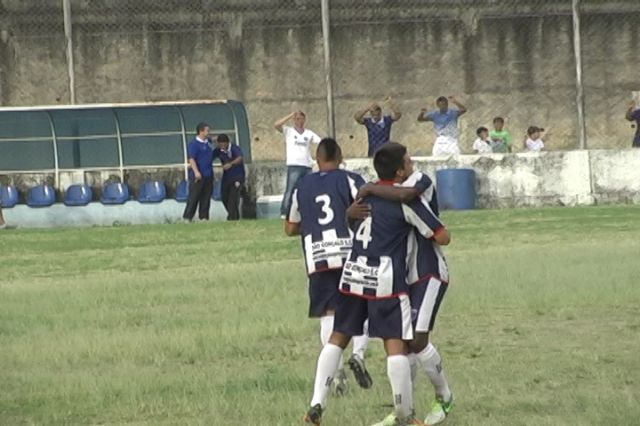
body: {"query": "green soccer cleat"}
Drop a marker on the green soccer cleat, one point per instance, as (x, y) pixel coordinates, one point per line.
(439, 411)
(314, 415)
(393, 420)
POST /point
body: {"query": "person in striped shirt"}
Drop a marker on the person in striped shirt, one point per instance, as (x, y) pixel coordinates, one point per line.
(374, 285)
(318, 213)
(428, 275)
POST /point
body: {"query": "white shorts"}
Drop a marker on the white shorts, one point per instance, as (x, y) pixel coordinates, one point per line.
(445, 146)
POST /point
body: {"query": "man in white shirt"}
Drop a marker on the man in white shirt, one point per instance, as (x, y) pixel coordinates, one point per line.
(297, 140)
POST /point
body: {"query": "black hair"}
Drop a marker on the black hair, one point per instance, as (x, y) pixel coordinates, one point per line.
(201, 126)
(500, 119)
(480, 130)
(531, 130)
(442, 99)
(388, 159)
(329, 150)
(222, 138)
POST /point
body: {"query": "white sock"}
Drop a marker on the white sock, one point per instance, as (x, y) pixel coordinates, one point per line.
(399, 372)
(328, 362)
(431, 362)
(413, 362)
(326, 328)
(360, 343)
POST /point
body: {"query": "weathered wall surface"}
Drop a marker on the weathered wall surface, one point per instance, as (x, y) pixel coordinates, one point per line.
(562, 178)
(514, 59)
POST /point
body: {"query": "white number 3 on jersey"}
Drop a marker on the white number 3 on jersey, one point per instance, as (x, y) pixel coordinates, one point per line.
(326, 209)
(364, 233)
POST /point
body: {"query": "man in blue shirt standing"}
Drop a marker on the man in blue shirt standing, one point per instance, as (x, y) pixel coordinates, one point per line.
(445, 123)
(233, 176)
(200, 156)
(378, 126)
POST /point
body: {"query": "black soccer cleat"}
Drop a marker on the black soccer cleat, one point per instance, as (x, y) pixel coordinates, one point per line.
(356, 364)
(314, 415)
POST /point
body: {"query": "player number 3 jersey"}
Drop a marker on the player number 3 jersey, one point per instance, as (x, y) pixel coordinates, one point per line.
(319, 204)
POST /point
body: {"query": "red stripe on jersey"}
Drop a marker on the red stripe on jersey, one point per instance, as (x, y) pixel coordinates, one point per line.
(427, 278)
(363, 296)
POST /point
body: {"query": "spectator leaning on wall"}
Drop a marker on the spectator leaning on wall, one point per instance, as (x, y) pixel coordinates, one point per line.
(500, 136)
(445, 123)
(233, 176)
(633, 114)
(200, 174)
(533, 140)
(483, 145)
(378, 126)
(299, 162)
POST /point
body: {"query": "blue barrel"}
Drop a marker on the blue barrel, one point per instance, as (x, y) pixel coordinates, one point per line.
(456, 189)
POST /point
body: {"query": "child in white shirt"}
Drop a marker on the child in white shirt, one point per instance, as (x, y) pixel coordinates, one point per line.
(482, 144)
(533, 139)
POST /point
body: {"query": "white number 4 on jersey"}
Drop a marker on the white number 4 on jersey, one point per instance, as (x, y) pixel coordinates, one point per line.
(364, 233)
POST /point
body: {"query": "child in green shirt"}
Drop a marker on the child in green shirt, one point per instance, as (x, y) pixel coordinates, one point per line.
(501, 138)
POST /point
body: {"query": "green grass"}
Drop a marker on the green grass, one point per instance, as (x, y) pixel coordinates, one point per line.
(205, 324)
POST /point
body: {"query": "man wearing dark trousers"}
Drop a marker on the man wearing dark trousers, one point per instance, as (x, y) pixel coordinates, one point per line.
(200, 174)
(233, 176)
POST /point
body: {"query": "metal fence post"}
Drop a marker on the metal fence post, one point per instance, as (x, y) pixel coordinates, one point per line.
(66, 7)
(331, 126)
(577, 49)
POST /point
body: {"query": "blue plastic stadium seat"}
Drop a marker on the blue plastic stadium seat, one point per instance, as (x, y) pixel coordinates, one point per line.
(8, 196)
(78, 195)
(115, 193)
(41, 196)
(152, 192)
(182, 193)
(217, 191)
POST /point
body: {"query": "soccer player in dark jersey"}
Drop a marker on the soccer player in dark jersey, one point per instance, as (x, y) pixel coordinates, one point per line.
(318, 213)
(428, 276)
(374, 285)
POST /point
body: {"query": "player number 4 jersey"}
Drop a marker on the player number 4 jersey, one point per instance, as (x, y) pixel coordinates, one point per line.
(383, 248)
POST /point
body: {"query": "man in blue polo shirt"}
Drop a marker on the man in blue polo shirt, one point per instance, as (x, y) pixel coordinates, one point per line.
(445, 124)
(233, 176)
(378, 126)
(200, 156)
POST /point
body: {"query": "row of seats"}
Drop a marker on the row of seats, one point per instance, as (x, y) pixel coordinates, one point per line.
(113, 193)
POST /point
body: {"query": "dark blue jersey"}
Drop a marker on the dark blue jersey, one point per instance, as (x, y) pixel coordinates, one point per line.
(383, 246)
(428, 260)
(319, 204)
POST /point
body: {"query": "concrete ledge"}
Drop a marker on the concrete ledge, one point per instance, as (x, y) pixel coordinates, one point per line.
(554, 178)
(97, 214)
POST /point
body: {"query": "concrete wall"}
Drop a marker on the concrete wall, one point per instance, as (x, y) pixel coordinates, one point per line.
(562, 178)
(513, 59)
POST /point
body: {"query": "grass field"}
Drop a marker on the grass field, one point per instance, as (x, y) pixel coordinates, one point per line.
(205, 324)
